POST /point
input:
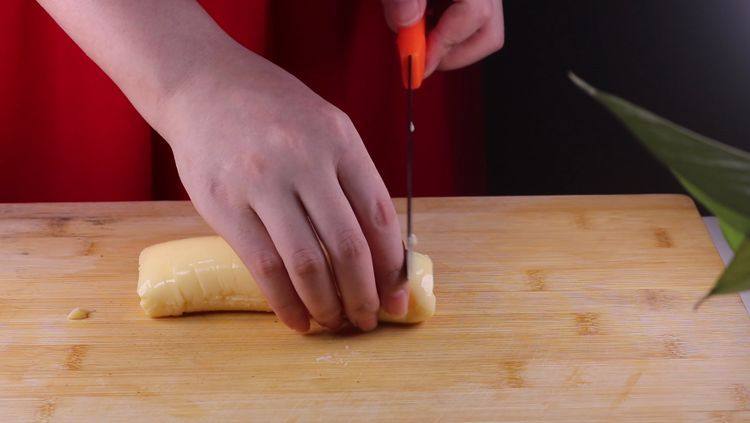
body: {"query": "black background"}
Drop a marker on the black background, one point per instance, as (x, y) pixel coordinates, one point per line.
(687, 60)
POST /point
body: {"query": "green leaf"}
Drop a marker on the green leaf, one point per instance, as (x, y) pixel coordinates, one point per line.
(733, 237)
(717, 175)
(728, 218)
(736, 276)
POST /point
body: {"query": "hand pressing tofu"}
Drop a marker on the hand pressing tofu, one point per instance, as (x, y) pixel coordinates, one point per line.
(205, 274)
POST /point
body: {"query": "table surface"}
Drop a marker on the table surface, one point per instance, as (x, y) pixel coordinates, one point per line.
(549, 308)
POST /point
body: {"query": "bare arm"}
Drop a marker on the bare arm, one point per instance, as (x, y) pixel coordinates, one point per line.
(149, 48)
(269, 164)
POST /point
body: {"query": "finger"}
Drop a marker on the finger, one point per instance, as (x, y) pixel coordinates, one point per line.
(303, 258)
(376, 215)
(489, 39)
(402, 13)
(337, 226)
(457, 24)
(244, 231)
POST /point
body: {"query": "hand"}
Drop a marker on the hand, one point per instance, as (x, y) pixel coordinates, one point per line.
(271, 166)
(468, 30)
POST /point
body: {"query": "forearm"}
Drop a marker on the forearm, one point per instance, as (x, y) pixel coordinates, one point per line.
(149, 48)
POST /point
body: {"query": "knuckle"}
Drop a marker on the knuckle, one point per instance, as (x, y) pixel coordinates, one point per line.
(267, 264)
(254, 165)
(214, 187)
(284, 137)
(214, 193)
(384, 213)
(445, 39)
(351, 244)
(366, 306)
(328, 315)
(338, 120)
(393, 277)
(340, 126)
(498, 40)
(307, 263)
(483, 9)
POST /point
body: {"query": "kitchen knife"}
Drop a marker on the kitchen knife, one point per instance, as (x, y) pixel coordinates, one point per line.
(411, 47)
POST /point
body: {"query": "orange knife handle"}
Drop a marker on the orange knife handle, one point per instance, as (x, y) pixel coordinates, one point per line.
(411, 42)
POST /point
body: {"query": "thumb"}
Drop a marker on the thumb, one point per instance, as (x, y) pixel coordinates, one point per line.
(402, 13)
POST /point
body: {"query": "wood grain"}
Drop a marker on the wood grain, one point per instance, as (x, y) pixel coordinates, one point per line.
(549, 308)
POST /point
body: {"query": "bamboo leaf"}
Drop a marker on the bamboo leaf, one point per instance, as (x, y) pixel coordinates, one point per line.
(727, 218)
(736, 276)
(733, 237)
(715, 174)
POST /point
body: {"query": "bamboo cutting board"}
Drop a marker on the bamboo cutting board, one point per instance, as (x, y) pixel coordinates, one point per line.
(549, 308)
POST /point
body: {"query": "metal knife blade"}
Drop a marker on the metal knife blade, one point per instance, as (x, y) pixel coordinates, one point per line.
(410, 239)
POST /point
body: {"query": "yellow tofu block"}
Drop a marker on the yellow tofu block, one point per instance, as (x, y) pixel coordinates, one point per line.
(205, 274)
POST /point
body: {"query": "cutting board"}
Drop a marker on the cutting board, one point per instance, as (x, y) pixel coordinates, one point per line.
(549, 308)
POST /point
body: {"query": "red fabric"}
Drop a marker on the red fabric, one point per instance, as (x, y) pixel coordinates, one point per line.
(68, 134)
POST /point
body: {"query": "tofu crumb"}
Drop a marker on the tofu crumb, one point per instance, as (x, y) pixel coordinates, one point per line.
(411, 242)
(78, 314)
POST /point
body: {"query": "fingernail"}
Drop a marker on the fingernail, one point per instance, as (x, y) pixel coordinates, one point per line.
(397, 303)
(430, 66)
(367, 323)
(335, 325)
(408, 12)
(302, 326)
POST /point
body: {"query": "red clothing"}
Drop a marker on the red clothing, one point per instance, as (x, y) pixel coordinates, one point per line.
(68, 134)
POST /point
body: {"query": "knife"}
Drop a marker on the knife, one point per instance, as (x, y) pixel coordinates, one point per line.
(411, 47)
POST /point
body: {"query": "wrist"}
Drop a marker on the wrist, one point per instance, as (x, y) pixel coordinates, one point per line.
(192, 84)
(231, 79)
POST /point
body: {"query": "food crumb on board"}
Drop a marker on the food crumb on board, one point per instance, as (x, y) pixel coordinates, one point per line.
(331, 358)
(78, 313)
